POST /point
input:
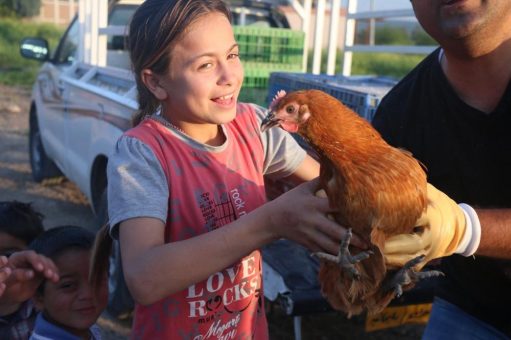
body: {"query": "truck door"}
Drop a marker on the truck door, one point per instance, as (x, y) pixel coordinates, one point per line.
(53, 93)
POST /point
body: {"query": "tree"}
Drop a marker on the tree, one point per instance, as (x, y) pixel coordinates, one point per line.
(391, 35)
(22, 8)
(420, 37)
(384, 35)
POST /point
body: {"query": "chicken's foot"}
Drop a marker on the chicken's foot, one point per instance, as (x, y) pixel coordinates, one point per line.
(344, 259)
(407, 275)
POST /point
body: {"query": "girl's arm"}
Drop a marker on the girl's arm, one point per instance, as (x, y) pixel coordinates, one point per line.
(154, 270)
(308, 170)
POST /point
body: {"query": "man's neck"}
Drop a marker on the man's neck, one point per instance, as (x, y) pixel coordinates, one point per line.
(480, 81)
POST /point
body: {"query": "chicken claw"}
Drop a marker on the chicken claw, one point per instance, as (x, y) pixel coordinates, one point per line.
(344, 259)
(407, 275)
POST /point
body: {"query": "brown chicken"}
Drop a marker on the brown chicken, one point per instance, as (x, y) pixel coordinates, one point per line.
(378, 190)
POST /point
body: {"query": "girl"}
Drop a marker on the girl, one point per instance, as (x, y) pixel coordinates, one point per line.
(185, 186)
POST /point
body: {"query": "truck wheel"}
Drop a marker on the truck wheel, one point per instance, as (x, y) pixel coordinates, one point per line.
(42, 166)
(120, 303)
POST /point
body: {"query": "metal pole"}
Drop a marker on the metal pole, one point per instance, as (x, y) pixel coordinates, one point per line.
(102, 17)
(371, 24)
(334, 35)
(318, 36)
(350, 38)
(82, 50)
(305, 14)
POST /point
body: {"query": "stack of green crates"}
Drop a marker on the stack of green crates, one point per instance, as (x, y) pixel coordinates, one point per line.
(264, 50)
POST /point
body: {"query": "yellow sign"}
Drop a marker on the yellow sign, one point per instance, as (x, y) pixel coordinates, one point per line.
(399, 315)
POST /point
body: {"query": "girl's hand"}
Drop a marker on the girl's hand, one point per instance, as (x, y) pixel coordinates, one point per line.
(301, 216)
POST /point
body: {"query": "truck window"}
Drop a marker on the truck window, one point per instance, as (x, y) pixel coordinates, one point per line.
(68, 48)
(120, 15)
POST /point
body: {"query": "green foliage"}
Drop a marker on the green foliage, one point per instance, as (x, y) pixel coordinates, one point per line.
(6, 11)
(21, 8)
(420, 37)
(377, 64)
(394, 35)
(15, 70)
(384, 64)
(389, 35)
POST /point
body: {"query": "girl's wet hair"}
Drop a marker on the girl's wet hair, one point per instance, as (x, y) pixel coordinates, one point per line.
(155, 28)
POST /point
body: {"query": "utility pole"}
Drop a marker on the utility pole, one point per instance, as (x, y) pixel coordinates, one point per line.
(371, 25)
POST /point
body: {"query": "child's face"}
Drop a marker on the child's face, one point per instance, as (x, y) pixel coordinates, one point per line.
(10, 244)
(205, 73)
(70, 303)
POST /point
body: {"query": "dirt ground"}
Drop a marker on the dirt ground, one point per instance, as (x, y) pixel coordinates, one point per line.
(62, 203)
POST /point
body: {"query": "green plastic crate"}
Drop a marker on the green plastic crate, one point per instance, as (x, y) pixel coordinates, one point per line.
(258, 74)
(255, 83)
(270, 45)
(263, 51)
(253, 95)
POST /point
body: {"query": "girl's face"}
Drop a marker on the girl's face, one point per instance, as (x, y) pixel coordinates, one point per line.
(70, 303)
(205, 74)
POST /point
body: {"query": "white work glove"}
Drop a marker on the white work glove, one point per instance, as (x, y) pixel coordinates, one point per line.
(445, 228)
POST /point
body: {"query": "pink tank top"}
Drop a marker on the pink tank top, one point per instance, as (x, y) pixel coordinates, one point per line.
(207, 190)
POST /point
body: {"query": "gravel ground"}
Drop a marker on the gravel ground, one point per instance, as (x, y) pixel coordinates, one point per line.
(62, 203)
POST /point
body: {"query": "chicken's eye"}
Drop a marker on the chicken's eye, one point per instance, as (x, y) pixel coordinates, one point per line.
(290, 109)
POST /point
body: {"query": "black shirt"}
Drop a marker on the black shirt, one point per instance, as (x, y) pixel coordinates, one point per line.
(468, 156)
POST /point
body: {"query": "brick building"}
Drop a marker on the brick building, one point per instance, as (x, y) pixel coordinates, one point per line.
(58, 12)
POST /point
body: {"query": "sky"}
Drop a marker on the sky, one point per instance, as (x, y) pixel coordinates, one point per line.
(363, 5)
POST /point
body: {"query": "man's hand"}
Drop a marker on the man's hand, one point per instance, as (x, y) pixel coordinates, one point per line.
(24, 272)
(445, 228)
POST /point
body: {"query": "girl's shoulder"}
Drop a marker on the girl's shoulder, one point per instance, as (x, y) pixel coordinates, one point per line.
(145, 129)
(253, 112)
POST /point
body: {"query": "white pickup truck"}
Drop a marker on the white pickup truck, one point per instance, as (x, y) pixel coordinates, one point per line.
(78, 109)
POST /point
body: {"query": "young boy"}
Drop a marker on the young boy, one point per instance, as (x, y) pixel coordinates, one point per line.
(22, 270)
(70, 307)
(19, 225)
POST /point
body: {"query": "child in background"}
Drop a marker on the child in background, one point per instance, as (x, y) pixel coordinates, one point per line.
(185, 186)
(22, 270)
(70, 307)
(20, 223)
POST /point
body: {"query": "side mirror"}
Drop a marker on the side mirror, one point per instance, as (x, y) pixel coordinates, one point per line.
(34, 48)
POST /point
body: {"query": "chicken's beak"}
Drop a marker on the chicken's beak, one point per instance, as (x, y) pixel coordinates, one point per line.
(269, 121)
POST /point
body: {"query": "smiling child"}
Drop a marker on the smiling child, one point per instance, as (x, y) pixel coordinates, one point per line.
(70, 307)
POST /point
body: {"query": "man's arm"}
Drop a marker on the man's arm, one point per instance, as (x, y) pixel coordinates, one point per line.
(448, 228)
(495, 233)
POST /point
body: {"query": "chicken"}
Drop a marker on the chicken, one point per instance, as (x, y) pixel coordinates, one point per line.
(377, 191)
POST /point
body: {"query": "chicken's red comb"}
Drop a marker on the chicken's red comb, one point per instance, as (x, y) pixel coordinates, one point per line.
(280, 94)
